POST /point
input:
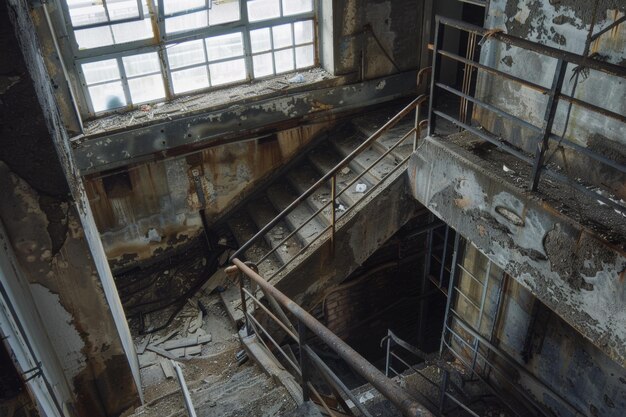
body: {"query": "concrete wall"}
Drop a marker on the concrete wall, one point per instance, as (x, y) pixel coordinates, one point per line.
(564, 24)
(396, 24)
(50, 227)
(571, 269)
(153, 208)
(567, 374)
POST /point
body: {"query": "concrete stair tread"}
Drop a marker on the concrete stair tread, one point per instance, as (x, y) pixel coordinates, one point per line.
(243, 228)
(231, 299)
(367, 126)
(325, 159)
(281, 195)
(303, 178)
(366, 157)
(262, 212)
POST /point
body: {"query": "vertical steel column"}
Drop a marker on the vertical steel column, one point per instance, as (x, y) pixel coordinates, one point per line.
(480, 313)
(444, 255)
(444, 380)
(551, 106)
(244, 307)
(425, 274)
(388, 357)
(439, 29)
(333, 196)
(451, 284)
(302, 331)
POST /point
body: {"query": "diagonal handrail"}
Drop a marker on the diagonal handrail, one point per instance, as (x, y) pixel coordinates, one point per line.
(398, 396)
(330, 175)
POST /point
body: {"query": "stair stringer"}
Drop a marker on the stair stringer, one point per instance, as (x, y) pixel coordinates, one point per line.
(359, 233)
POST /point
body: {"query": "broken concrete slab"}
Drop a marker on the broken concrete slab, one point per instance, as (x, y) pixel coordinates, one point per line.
(147, 359)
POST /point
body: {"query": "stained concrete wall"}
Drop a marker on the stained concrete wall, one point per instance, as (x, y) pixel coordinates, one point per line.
(571, 269)
(566, 25)
(396, 24)
(567, 374)
(153, 208)
(50, 227)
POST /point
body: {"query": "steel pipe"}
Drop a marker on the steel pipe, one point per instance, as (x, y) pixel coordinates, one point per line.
(390, 390)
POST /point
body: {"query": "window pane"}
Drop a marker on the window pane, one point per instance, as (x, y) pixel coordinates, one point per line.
(86, 12)
(186, 22)
(141, 64)
(296, 6)
(173, 6)
(97, 72)
(224, 11)
(305, 56)
(94, 37)
(284, 60)
(303, 32)
(122, 9)
(107, 96)
(190, 79)
(148, 88)
(186, 54)
(228, 72)
(262, 65)
(132, 31)
(260, 40)
(225, 46)
(282, 36)
(263, 9)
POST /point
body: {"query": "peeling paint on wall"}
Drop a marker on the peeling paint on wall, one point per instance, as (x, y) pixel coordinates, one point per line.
(564, 25)
(568, 267)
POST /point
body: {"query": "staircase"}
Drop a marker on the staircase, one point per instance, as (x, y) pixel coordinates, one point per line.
(335, 205)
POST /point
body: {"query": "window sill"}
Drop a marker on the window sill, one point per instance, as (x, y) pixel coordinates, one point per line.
(210, 101)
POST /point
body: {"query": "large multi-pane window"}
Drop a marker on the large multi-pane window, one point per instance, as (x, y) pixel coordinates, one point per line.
(130, 52)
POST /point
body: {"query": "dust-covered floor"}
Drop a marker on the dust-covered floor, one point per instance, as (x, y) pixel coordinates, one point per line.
(218, 385)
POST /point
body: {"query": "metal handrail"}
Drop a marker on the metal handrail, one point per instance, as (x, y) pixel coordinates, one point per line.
(391, 339)
(306, 322)
(553, 93)
(331, 175)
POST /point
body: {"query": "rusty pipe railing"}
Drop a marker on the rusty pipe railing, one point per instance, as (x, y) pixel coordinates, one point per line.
(389, 389)
(414, 105)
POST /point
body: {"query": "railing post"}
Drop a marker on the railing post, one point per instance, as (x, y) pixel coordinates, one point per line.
(434, 78)
(244, 307)
(333, 194)
(302, 331)
(388, 358)
(551, 106)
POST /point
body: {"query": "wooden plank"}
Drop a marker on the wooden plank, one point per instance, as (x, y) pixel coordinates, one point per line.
(161, 352)
(185, 342)
(141, 348)
(168, 369)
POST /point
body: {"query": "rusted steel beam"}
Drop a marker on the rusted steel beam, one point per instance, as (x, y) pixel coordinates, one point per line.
(389, 389)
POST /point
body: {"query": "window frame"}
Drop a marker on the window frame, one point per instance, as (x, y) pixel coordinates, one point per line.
(161, 41)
